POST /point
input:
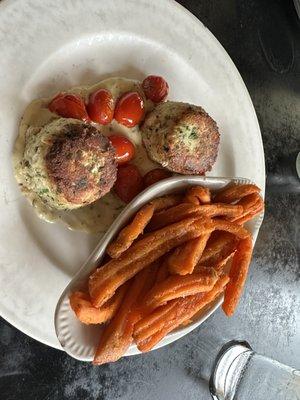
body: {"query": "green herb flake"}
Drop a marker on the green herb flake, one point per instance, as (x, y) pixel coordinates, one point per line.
(193, 135)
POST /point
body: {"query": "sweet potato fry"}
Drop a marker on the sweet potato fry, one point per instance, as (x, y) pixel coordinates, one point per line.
(252, 205)
(219, 209)
(163, 270)
(185, 210)
(217, 244)
(149, 281)
(117, 335)
(248, 217)
(139, 310)
(234, 193)
(218, 257)
(106, 279)
(128, 234)
(197, 195)
(172, 215)
(151, 329)
(88, 314)
(249, 201)
(231, 227)
(164, 202)
(222, 264)
(151, 323)
(183, 308)
(147, 344)
(183, 259)
(220, 268)
(219, 250)
(141, 247)
(257, 209)
(176, 286)
(238, 275)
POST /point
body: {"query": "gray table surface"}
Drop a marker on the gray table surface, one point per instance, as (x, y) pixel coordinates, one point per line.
(263, 39)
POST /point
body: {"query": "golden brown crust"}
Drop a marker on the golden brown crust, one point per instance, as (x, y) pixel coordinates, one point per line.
(199, 158)
(181, 137)
(80, 164)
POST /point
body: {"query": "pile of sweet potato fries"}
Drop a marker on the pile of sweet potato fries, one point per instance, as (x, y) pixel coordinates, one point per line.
(178, 254)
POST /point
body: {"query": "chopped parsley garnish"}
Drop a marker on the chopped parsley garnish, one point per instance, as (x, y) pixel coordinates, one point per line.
(44, 191)
(193, 135)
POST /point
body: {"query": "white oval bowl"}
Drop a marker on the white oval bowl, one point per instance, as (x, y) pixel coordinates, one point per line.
(80, 340)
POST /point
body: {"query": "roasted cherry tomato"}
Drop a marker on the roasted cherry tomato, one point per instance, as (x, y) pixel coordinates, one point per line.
(101, 106)
(123, 147)
(129, 182)
(69, 105)
(155, 175)
(155, 88)
(129, 109)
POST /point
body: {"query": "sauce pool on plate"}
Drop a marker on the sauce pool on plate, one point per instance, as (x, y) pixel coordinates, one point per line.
(98, 216)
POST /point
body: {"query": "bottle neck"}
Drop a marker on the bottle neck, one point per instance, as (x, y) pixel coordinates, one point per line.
(228, 368)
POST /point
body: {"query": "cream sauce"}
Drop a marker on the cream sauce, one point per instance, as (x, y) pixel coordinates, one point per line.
(98, 216)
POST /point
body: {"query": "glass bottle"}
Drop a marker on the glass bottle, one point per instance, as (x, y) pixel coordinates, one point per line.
(238, 373)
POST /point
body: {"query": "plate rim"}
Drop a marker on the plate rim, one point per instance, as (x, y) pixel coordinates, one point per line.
(6, 4)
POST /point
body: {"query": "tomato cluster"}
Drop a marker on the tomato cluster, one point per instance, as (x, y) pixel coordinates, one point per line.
(128, 111)
(130, 182)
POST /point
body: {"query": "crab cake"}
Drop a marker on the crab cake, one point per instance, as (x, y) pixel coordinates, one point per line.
(68, 164)
(181, 137)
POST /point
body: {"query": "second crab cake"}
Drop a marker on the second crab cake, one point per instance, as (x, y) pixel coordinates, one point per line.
(181, 137)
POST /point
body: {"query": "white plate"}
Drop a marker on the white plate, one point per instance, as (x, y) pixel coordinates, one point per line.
(80, 341)
(52, 45)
